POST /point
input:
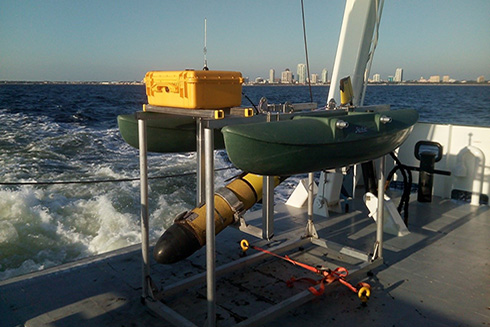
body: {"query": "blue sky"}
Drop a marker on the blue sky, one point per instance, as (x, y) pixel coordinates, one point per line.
(121, 40)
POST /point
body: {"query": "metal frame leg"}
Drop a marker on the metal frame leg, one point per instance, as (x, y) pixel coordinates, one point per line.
(145, 242)
(201, 182)
(381, 204)
(268, 201)
(310, 230)
(268, 207)
(210, 226)
(310, 195)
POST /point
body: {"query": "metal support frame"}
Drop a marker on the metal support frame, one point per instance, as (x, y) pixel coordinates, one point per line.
(205, 158)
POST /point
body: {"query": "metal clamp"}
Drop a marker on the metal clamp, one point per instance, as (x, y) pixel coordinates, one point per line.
(232, 200)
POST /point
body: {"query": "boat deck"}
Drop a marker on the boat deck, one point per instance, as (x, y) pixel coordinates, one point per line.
(438, 275)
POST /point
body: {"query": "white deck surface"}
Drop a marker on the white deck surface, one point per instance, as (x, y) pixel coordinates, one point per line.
(438, 275)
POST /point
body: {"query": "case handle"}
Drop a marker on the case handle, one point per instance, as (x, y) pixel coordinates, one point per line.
(166, 88)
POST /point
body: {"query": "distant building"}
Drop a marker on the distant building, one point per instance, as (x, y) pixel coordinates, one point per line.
(301, 71)
(435, 79)
(287, 77)
(259, 80)
(376, 78)
(480, 79)
(272, 76)
(314, 78)
(398, 75)
(390, 79)
(324, 76)
(446, 79)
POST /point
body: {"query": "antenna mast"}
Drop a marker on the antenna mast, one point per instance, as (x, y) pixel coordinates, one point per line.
(205, 50)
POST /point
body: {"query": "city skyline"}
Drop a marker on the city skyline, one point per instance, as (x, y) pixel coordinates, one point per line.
(103, 41)
(396, 77)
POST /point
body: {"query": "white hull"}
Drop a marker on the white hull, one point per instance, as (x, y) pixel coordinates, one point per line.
(465, 149)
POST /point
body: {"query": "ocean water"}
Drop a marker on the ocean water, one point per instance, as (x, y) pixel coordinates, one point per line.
(69, 133)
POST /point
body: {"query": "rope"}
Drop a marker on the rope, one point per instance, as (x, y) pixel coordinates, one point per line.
(107, 180)
(306, 49)
(256, 109)
(407, 185)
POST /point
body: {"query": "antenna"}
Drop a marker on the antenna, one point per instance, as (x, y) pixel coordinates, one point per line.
(205, 50)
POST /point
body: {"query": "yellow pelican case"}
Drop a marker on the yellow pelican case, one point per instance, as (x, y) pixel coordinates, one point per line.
(194, 89)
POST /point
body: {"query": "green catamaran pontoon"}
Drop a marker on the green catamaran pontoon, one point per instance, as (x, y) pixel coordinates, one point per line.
(172, 134)
(312, 143)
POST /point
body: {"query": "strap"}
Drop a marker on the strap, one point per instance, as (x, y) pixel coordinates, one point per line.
(363, 290)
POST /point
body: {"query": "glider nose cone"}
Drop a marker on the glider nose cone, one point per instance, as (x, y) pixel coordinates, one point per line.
(176, 243)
